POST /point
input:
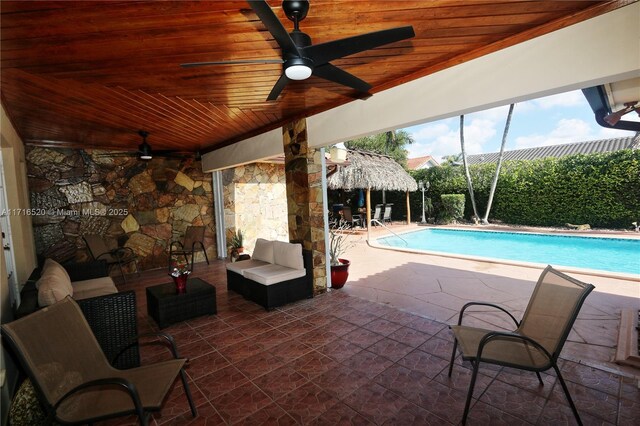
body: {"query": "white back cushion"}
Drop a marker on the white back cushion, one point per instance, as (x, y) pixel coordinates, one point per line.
(287, 254)
(263, 250)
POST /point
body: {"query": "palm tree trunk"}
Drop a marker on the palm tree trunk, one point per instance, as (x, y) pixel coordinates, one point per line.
(494, 183)
(466, 167)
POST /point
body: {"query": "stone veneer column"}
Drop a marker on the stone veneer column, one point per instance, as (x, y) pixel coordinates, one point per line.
(303, 170)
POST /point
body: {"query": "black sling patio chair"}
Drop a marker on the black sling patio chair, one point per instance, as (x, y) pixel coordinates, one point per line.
(72, 378)
(350, 219)
(193, 242)
(536, 342)
(117, 257)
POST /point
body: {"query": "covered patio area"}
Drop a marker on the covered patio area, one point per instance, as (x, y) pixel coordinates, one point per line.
(340, 358)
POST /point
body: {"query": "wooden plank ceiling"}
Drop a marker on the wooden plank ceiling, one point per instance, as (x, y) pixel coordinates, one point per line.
(91, 74)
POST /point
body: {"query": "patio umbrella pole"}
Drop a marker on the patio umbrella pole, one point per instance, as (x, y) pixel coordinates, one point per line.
(368, 212)
(408, 210)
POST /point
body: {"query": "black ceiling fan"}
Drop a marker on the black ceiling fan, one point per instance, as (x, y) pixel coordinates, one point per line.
(301, 59)
(145, 152)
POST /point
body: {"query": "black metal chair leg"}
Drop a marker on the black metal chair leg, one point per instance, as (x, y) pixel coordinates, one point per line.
(467, 405)
(453, 355)
(122, 273)
(539, 378)
(187, 391)
(566, 392)
(144, 419)
(205, 254)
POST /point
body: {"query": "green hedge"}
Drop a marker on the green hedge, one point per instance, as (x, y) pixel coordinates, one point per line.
(602, 190)
(452, 207)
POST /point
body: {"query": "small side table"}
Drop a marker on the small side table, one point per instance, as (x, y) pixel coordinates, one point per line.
(167, 307)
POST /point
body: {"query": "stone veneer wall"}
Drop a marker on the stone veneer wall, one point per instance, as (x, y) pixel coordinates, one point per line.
(303, 171)
(255, 201)
(132, 203)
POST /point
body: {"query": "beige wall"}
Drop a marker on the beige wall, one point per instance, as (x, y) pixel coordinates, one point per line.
(15, 175)
(255, 201)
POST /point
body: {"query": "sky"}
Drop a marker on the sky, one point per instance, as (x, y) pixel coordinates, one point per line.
(552, 120)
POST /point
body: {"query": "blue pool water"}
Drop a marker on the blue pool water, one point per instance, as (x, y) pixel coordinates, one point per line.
(606, 254)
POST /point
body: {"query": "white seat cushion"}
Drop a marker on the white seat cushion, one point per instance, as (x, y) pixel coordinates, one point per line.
(241, 266)
(93, 288)
(273, 274)
(287, 254)
(263, 250)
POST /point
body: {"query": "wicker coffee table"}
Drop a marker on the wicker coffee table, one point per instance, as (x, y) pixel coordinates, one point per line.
(166, 307)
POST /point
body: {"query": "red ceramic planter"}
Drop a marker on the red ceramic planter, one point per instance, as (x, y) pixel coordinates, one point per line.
(340, 273)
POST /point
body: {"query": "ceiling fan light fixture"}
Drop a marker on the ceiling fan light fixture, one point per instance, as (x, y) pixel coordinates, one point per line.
(145, 151)
(298, 69)
(298, 72)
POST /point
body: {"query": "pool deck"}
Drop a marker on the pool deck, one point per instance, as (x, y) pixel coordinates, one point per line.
(437, 287)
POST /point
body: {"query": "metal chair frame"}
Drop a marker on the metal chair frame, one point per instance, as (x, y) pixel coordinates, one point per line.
(516, 335)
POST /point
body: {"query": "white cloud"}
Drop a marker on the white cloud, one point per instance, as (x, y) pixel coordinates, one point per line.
(428, 131)
(565, 131)
(569, 131)
(568, 99)
(441, 139)
(606, 133)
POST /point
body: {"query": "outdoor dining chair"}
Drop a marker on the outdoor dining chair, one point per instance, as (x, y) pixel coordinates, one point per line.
(193, 242)
(377, 215)
(120, 257)
(387, 214)
(536, 342)
(72, 378)
(352, 220)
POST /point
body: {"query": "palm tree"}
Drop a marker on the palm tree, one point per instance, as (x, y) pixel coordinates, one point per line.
(494, 183)
(390, 143)
(466, 168)
(452, 160)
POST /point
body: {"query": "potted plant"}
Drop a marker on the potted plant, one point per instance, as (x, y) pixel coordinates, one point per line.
(338, 244)
(236, 244)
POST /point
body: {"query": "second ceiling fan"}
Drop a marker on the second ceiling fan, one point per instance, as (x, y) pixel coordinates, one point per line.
(145, 152)
(301, 58)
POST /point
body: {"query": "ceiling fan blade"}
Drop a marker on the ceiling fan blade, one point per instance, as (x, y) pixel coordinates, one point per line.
(119, 154)
(326, 52)
(335, 74)
(236, 62)
(273, 24)
(170, 153)
(277, 88)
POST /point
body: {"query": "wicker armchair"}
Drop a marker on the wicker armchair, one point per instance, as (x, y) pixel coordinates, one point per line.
(112, 318)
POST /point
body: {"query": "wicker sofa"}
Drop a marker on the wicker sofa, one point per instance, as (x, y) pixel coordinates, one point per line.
(112, 315)
(278, 273)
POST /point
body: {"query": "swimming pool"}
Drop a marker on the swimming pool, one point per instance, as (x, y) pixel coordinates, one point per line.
(606, 254)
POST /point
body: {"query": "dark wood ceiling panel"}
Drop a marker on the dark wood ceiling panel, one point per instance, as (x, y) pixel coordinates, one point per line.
(93, 73)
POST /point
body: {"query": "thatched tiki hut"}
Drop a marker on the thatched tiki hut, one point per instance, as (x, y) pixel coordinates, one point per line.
(367, 170)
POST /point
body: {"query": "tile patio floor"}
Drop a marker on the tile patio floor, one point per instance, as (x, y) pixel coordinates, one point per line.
(339, 359)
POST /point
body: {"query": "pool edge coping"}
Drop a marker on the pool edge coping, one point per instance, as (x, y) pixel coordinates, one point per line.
(584, 271)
